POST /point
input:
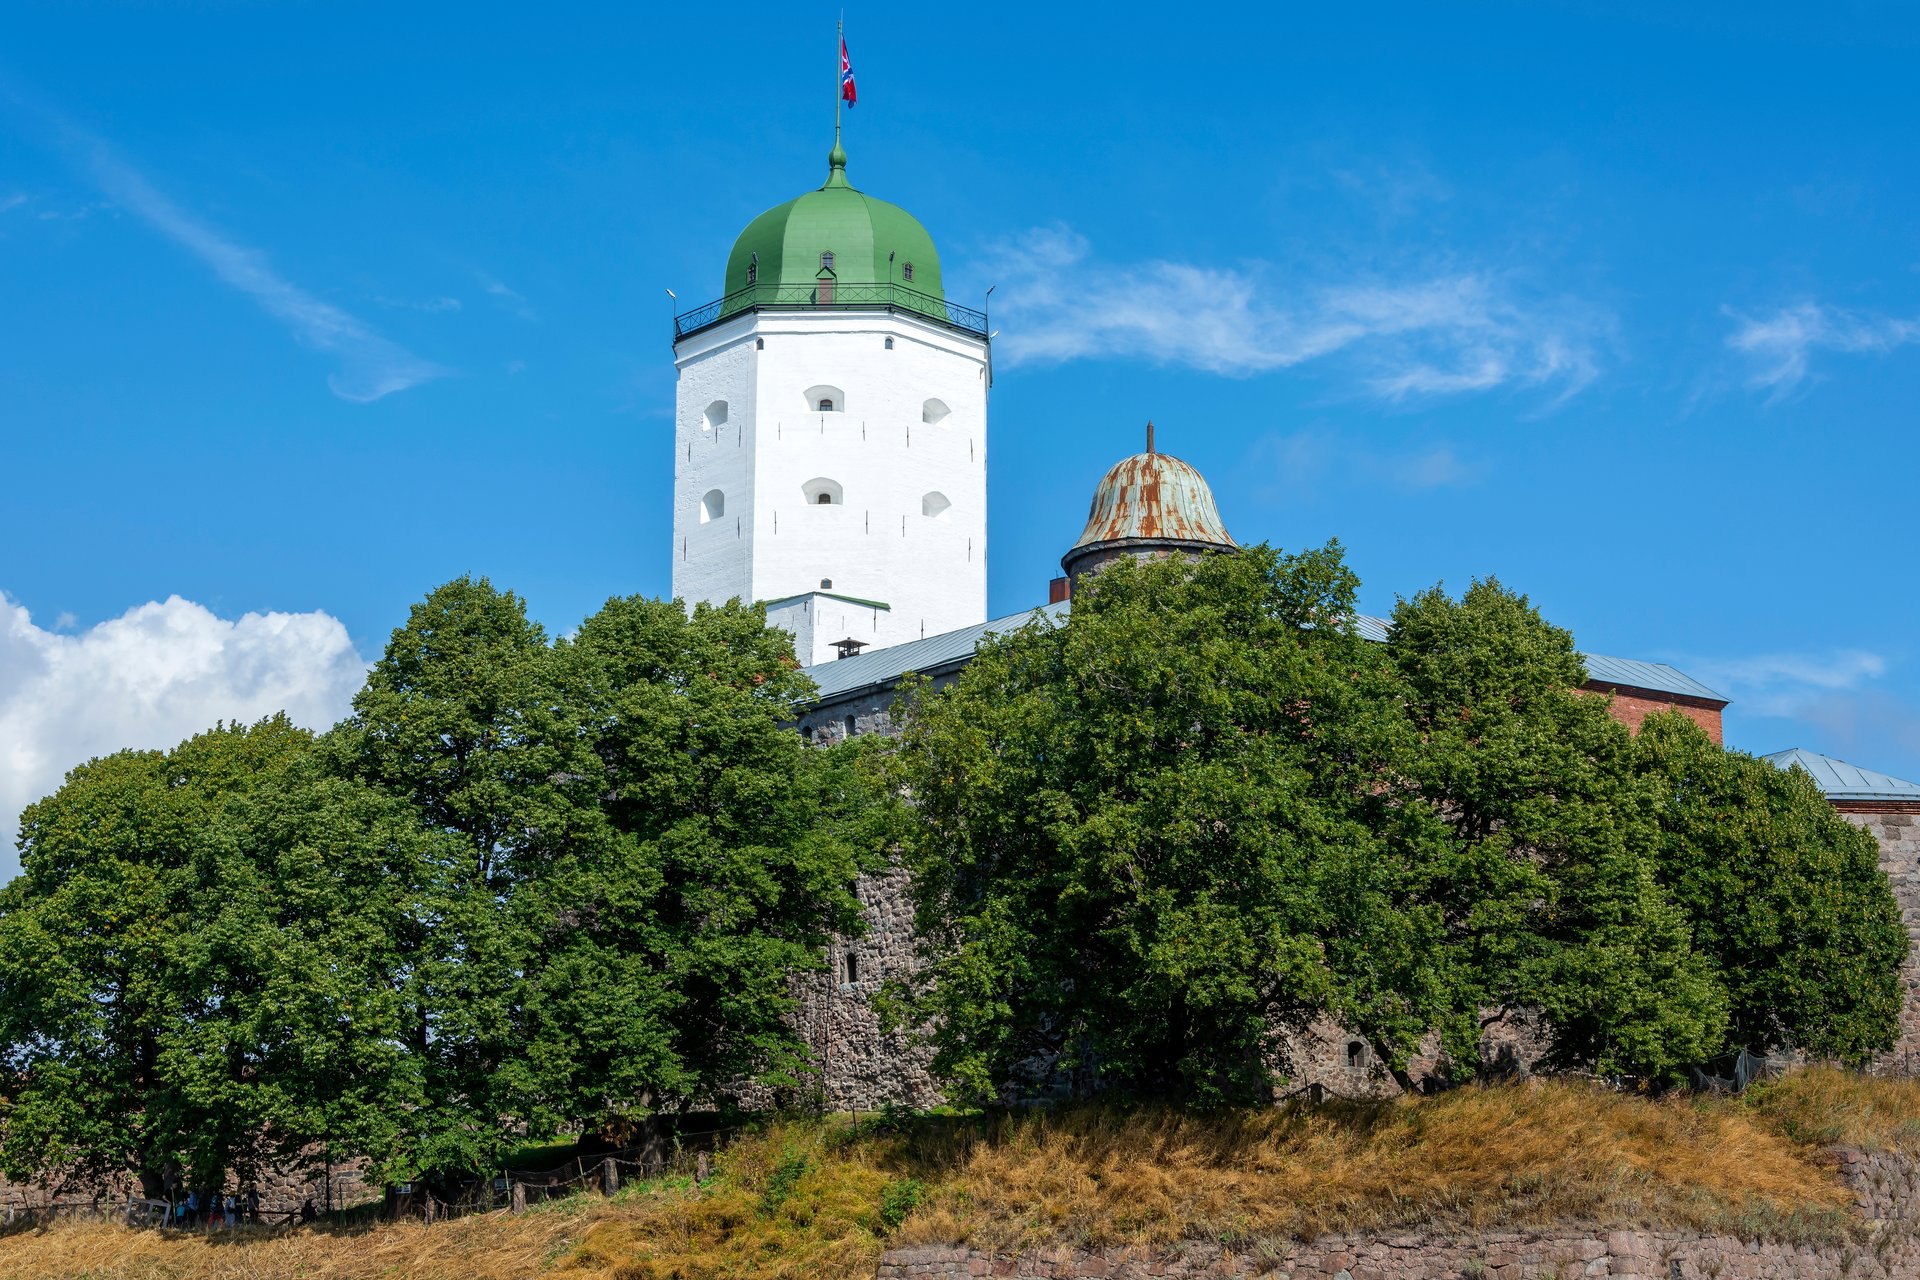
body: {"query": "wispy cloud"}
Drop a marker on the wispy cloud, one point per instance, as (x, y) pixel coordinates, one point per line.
(432, 306)
(1837, 701)
(1781, 345)
(505, 296)
(370, 366)
(1301, 462)
(1446, 334)
(1788, 684)
(13, 201)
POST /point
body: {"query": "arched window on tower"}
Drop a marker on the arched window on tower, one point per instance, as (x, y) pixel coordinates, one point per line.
(822, 492)
(934, 411)
(712, 506)
(715, 416)
(934, 506)
(826, 399)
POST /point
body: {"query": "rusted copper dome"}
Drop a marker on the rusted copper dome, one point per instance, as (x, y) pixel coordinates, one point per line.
(1151, 503)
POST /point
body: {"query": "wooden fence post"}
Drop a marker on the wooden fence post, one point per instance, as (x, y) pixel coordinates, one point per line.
(519, 1197)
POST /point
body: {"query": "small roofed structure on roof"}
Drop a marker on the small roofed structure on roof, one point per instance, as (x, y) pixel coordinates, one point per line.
(1149, 505)
(1848, 787)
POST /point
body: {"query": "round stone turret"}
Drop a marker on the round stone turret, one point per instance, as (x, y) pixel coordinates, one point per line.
(1149, 505)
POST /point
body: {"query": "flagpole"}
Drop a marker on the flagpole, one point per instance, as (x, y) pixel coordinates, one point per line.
(840, 41)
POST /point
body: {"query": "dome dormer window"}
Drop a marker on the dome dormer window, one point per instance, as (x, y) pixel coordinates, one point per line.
(826, 260)
(753, 273)
(906, 272)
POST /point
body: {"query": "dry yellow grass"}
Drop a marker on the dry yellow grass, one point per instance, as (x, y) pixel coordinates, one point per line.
(806, 1198)
(1824, 1106)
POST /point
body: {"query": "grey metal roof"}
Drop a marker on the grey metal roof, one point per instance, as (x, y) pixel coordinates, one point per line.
(883, 667)
(1647, 675)
(1657, 676)
(1843, 781)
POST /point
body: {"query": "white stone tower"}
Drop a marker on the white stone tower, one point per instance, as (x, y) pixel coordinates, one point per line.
(830, 448)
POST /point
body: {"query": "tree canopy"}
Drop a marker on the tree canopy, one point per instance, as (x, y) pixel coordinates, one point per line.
(523, 886)
(1155, 845)
(535, 886)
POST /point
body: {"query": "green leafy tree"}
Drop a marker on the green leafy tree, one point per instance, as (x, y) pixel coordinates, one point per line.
(1544, 873)
(1134, 835)
(188, 965)
(1786, 896)
(455, 721)
(634, 855)
(715, 861)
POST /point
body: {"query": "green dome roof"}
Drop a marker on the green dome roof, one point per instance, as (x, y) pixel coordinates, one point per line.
(856, 229)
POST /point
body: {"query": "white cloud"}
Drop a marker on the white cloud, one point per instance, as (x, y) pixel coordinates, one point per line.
(1788, 684)
(13, 201)
(1781, 345)
(1300, 462)
(150, 678)
(371, 366)
(1447, 334)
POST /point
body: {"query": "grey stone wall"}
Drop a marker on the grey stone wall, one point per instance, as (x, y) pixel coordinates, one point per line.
(1885, 1246)
(1625, 1255)
(281, 1190)
(1898, 834)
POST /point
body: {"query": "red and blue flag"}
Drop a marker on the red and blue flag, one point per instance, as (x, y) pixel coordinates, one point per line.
(847, 93)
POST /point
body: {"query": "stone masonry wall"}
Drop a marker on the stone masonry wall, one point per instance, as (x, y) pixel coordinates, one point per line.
(1898, 832)
(1625, 1255)
(281, 1190)
(1887, 1247)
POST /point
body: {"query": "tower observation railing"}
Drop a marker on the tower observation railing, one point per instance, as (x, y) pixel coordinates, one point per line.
(835, 296)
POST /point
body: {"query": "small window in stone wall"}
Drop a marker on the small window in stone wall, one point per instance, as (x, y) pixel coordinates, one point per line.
(1356, 1055)
(852, 967)
(826, 398)
(853, 727)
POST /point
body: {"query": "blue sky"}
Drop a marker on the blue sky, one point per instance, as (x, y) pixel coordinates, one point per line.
(305, 308)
